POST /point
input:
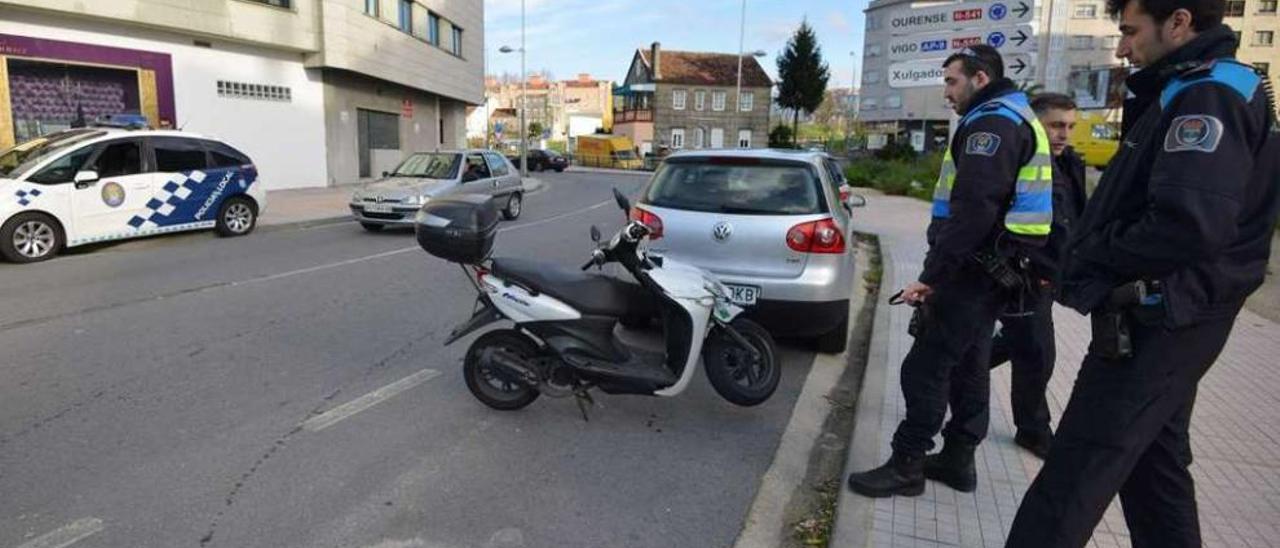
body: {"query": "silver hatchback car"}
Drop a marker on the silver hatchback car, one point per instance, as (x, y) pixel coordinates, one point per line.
(395, 199)
(770, 224)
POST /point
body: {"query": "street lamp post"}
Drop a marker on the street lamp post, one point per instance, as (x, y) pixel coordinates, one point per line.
(524, 88)
(742, 35)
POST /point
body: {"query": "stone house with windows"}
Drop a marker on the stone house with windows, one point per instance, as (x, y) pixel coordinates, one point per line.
(680, 100)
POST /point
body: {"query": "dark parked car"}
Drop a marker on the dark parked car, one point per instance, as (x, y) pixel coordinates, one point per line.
(542, 160)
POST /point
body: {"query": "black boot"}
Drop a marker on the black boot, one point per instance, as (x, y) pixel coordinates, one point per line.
(953, 466)
(1035, 442)
(902, 475)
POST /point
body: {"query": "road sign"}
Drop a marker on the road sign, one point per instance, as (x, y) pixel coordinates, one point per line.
(928, 72)
(964, 15)
(1006, 39)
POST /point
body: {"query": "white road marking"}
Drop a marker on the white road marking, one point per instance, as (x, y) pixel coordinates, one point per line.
(333, 416)
(75, 532)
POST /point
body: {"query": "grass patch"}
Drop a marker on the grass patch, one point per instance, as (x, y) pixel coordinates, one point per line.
(898, 177)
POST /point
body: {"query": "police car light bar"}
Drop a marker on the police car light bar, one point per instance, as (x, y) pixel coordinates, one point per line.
(126, 121)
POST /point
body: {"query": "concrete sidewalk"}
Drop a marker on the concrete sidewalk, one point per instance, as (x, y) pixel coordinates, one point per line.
(1235, 429)
(319, 205)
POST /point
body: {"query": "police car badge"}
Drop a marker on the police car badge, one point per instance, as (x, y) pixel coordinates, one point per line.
(113, 194)
(1193, 132)
(982, 143)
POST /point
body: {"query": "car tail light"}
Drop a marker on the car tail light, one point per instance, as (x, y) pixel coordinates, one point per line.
(821, 236)
(647, 218)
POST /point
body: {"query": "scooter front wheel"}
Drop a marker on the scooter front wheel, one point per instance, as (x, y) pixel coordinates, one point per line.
(734, 372)
(489, 383)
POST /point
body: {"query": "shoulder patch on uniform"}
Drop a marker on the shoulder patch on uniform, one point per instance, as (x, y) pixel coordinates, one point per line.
(1193, 132)
(982, 143)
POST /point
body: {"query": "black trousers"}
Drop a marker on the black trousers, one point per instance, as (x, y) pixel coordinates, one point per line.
(1026, 341)
(948, 366)
(1125, 430)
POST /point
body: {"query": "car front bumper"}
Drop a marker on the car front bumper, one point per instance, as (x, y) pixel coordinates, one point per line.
(399, 216)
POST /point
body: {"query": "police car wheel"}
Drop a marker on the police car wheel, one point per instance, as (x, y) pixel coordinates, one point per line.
(515, 203)
(237, 217)
(30, 237)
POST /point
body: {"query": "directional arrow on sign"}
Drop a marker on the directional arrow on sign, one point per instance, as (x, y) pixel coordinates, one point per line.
(1020, 38)
(1018, 66)
(1022, 9)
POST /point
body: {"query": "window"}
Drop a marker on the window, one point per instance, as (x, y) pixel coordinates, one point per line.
(1110, 42)
(678, 99)
(699, 138)
(893, 101)
(717, 101)
(225, 156)
(1264, 38)
(874, 50)
(1081, 42)
(744, 138)
(1235, 8)
(174, 154)
(677, 138)
(276, 3)
(262, 92)
(433, 28)
(871, 77)
(1239, 39)
(1264, 67)
(748, 101)
(371, 7)
(699, 100)
(476, 169)
(406, 15)
(1086, 11)
(457, 41)
(869, 104)
(62, 170)
(717, 137)
(766, 188)
(118, 159)
(497, 164)
(430, 165)
(1267, 6)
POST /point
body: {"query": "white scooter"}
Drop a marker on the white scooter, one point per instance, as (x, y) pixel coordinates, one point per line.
(564, 342)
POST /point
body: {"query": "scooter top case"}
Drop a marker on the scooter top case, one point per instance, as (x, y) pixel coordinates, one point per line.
(458, 228)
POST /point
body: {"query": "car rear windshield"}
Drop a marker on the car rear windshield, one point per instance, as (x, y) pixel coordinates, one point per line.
(429, 166)
(743, 186)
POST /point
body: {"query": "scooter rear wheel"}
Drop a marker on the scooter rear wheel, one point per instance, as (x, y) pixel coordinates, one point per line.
(492, 386)
(734, 373)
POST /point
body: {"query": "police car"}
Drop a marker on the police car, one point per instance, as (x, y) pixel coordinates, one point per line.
(98, 184)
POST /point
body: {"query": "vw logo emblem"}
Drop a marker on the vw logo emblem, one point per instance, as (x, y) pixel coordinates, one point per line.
(722, 231)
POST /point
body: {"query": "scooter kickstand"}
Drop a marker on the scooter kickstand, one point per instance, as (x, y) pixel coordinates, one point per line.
(584, 400)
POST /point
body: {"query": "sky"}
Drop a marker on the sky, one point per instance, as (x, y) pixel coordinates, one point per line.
(599, 37)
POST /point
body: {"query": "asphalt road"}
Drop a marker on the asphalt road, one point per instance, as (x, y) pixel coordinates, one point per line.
(291, 389)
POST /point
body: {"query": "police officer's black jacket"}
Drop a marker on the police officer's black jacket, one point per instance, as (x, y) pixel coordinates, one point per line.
(1190, 198)
(1068, 204)
(982, 192)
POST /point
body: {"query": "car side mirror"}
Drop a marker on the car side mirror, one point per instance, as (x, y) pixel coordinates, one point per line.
(595, 234)
(856, 200)
(386, 174)
(83, 177)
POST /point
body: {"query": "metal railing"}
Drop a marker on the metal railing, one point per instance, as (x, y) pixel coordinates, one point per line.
(648, 163)
(632, 116)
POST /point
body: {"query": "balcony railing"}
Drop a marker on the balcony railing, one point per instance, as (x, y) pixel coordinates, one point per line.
(620, 116)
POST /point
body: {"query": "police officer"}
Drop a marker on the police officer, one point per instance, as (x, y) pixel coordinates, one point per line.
(993, 194)
(1026, 334)
(1173, 240)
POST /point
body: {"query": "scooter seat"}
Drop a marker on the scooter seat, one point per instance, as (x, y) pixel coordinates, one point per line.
(589, 293)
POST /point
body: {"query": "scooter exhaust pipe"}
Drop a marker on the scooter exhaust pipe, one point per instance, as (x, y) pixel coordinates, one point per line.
(512, 366)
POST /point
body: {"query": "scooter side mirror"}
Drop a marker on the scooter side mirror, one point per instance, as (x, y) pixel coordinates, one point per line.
(623, 203)
(595, 234)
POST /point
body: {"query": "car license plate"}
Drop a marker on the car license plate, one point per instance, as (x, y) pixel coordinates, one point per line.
(377, 208)
(743, 294)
